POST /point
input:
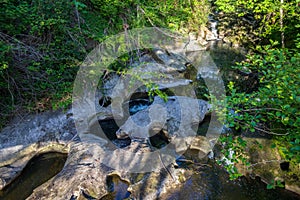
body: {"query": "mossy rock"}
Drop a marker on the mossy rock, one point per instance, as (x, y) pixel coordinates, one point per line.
(267, 163)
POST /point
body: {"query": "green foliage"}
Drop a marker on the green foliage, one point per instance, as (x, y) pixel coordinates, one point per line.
(272, 109)
(43, 42)
(172, 14)
(277, 100)
(5, 50)
(261, 19)
(275, 184)
(123, 67)
(233, 148)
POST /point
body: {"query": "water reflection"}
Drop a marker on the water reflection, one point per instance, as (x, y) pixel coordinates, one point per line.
(212, 182)
(40, 169)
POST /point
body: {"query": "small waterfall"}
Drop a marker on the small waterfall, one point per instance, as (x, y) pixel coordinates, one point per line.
(213, 27)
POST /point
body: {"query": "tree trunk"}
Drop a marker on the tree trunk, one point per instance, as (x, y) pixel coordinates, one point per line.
(281, 23)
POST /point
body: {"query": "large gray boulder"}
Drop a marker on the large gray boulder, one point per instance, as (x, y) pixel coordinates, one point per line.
(175, 118)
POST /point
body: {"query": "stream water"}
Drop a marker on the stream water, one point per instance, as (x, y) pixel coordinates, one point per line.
(209, 182)
(39, 169)
(212, 182)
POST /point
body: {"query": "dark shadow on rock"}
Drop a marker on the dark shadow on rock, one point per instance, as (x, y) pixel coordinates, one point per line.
(38, 170)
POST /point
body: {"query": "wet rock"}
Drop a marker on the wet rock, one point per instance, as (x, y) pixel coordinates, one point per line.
(89, 177)
(39, 169)
(119, 89)
(152, 72)
(153, 65)
(201, 145)
(157, 185)
(83, 175)
(170, 59)
(30, 136)
(265, 163)
(176, 117)
(197, 44)
(14, 159)
(117, 187)
(211, 35)
(198, 40)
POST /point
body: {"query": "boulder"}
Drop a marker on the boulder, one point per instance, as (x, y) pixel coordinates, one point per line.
(42, 127)
(267, 163)
(14, 159)
(174, 117)
(84, 176)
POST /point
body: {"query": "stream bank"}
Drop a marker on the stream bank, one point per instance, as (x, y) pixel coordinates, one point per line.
(84, 174)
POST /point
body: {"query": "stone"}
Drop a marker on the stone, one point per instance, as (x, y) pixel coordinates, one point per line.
(83, 174)
(14, 159)
(158, 66)
(202, 145)
(169, 59)
(210, 35)
(48, 126)
(122, 91)
(176, 116)
(265, 163)
(196, 43)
